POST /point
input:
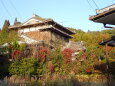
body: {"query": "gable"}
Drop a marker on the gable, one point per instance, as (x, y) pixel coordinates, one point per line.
(32, 21)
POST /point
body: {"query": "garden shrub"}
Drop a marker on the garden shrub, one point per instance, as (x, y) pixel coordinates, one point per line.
(42, 54)
(55, 61)
(16, 54)
(26, 66)
(67, 55)
(17, 50)
(42, 68)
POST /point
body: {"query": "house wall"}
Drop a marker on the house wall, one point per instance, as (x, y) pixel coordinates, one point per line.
(38, 35)
(24, 30)
(47, 36)
(34, 33)
(56, 38)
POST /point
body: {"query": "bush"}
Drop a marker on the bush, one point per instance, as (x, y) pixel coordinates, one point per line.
(17, 50)
(26, 66)
(67, 55)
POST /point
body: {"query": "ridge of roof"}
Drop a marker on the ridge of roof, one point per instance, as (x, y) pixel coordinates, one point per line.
(35, 16)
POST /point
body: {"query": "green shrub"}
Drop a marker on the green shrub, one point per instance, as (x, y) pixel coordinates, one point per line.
(26, 66)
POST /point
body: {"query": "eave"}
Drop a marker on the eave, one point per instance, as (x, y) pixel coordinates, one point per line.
(60, 27)
(107, 17)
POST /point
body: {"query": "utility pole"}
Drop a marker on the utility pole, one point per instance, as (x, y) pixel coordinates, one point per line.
(107, 64)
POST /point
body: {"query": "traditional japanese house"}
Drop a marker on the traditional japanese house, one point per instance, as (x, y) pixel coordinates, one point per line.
(38, 29)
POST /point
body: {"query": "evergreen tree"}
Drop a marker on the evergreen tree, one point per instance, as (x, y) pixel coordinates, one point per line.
(7, 36)
(4, 32)
(5, 27)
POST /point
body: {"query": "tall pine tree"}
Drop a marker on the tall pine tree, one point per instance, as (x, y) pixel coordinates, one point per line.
(4, 31)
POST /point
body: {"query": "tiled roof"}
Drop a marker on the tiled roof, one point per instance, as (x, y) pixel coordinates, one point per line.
(77, 46)
(39, 18)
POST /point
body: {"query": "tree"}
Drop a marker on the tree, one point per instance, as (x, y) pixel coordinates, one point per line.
(7, 36)
(109, 31)
(4, 32)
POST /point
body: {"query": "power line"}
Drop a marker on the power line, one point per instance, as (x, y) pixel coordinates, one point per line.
(10, 1)
(95, 4)
(5, 8)
(90, 5)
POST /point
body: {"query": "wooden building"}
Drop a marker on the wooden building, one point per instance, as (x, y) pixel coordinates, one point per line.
(106, 16)
(109, 42)
(38, 29)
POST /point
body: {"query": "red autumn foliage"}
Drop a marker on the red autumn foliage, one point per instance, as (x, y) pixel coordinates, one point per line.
(84, 55)
(109, 49)
(51, 68)
(42, 53)
(88, 70)
(104, 48)
(67, 54)
(16, 54)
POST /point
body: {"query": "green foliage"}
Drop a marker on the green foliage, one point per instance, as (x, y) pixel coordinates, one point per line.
(109, 31)
(13, 36)
(16, 46)
(76, 30)
(26, 66)
(7, 36)
(4, 32)
(22, 47)
(5, 27)
(42, 68)
(56, 58)
(15, 67)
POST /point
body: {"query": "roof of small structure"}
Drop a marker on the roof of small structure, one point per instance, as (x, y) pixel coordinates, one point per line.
(105, 15)
(109, 42)
(76, 46)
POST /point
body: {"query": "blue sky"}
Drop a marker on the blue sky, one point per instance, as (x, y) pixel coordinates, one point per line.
(69, 13)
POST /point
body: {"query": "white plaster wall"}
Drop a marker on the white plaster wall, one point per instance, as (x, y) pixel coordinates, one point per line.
(24, 30)
(33, 29)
